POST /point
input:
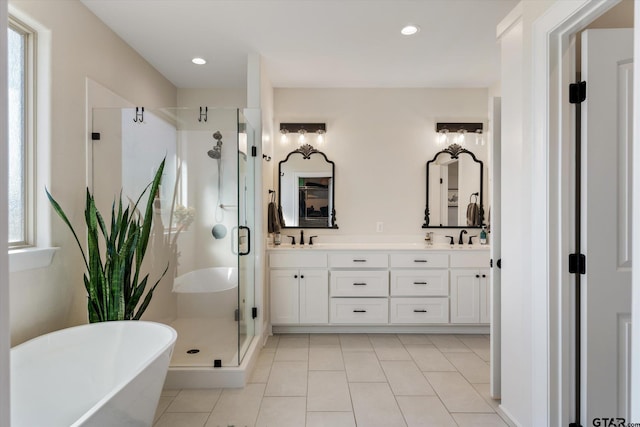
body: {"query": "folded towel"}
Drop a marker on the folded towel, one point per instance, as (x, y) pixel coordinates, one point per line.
(273, 221)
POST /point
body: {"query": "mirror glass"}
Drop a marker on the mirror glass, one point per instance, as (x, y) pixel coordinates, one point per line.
(306, 189)
(454, 190)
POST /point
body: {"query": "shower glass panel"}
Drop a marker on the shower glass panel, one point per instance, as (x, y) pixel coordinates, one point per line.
(246, 220)
(203, 218)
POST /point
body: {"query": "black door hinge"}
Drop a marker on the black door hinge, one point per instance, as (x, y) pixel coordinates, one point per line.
(441, 181)
(254, 151)
(254, 312)
(95, 136)
(577, 92)
(491, 263)
(577, 264)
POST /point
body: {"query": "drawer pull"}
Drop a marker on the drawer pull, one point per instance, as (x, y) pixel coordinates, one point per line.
(359, 284)
(419, 260)
(419, 283)
(419, 311)
(359, 311)
(359, 260)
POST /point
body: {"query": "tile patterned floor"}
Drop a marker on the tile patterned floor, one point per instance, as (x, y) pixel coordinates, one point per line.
(336, 380)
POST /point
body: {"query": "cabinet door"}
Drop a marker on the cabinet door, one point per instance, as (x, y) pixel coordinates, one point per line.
(314, 296)
(485, 297)
(465, 296)
(284, 296)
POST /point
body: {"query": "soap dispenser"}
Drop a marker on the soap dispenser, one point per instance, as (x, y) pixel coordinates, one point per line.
(483, 236)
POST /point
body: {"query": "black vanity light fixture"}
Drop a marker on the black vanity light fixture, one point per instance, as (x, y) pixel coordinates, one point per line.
(303, 129)
(459, 133)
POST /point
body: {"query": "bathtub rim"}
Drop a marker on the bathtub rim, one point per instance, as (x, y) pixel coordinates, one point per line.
(183, 288)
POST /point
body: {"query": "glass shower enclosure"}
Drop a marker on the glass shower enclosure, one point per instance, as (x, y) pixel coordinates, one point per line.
(203, 217)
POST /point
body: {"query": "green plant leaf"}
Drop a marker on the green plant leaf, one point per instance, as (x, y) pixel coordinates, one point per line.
(62, 215)
(111, 280)
(148, 216)
(147, 299)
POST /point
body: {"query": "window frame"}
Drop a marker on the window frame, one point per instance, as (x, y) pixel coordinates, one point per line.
(29, 134)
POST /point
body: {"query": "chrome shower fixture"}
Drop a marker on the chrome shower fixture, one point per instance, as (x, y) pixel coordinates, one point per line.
(216, 152)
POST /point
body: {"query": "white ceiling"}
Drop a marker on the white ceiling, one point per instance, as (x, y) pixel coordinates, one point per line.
(314, 43)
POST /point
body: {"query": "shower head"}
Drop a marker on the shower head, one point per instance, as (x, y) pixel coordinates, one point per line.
(216, 152)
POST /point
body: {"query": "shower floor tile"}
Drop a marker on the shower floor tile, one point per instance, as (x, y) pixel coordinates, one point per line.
(214, 338)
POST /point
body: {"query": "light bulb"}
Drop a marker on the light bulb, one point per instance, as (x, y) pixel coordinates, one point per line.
(284, 136)
(460, 137)
(301, 136)
(443, 135)
(320, 136)
(479, 137)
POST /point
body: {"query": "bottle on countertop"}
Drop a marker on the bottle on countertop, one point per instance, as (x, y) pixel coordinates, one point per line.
(483, 236)
(276, 238)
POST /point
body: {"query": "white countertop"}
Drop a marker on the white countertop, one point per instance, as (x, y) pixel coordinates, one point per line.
(377, 246)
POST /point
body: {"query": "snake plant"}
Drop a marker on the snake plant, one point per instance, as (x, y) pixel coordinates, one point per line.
(113, 279)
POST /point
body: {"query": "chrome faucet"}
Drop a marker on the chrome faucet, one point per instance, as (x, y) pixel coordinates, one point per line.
(460, 241)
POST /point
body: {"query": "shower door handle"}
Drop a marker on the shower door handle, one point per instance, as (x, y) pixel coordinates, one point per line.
(242, 227)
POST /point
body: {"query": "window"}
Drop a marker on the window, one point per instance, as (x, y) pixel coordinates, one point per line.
(20, 80)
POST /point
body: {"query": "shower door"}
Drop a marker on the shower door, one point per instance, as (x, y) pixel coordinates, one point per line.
(246, 222)
(203, 218)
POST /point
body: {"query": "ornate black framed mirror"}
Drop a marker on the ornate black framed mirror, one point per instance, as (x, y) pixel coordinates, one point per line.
(306, 189)
(454, 190)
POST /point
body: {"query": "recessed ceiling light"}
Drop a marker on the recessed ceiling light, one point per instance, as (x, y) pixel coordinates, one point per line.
(199, 61)
(409, 30)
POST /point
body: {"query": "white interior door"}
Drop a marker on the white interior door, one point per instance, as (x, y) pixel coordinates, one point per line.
(606, 223)
(493, 217)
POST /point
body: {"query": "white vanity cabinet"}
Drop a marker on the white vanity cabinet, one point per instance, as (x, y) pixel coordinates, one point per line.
(379, 289)
(299, 288)
(359, 288)
(470, 288)
(419, 288)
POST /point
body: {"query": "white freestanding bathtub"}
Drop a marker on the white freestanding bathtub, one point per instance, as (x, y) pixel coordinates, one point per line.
(103, 374)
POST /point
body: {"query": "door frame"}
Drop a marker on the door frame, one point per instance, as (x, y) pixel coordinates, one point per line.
(552, 147)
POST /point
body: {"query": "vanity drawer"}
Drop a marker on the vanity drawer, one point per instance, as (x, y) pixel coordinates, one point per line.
(419, 260)
(359, 283)
(420, 282)
(419, 310)
(476, 259)
(297, 260)
(358, 260)
(359, 310)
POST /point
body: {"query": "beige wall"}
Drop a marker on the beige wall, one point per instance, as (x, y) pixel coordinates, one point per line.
(81, 47)
(212, 98)
(380, 141)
